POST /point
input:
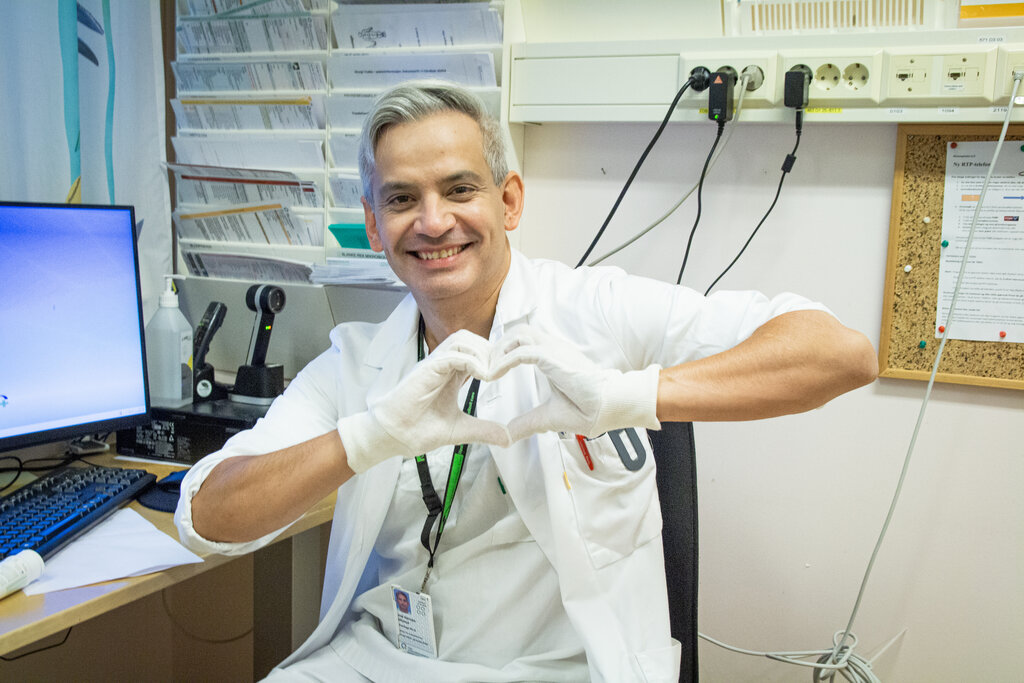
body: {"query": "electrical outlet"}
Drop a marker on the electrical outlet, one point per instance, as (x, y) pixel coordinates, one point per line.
(1007, 62)
(969, 75)
(910, 77)
(839, 76)
(955, 77)
(762, 67)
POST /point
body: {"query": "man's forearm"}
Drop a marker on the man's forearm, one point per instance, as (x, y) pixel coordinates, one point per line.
(246, 497)
(792, 363)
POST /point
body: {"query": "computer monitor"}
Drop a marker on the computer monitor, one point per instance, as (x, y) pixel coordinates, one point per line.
(72, 352)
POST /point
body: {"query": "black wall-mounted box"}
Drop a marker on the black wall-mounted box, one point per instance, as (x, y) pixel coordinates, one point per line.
(186, 434)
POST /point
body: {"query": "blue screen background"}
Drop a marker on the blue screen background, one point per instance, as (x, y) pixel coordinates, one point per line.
(70, 342)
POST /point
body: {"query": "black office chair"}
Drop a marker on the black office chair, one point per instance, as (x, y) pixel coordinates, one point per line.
(677, 488)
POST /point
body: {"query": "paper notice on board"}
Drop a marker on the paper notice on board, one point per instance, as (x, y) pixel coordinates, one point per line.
(990, 306)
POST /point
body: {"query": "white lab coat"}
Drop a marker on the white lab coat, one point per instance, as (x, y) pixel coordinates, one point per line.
(599, 529)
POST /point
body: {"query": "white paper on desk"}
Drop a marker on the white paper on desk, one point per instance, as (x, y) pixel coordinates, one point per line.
(125, 544)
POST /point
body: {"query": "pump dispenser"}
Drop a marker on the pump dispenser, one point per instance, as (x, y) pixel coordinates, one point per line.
(169, 352)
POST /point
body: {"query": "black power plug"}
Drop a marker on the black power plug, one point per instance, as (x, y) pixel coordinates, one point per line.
(700, 78)
(797, 83)
(723, 85)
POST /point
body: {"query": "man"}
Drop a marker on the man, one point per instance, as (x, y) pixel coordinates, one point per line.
(549, 567)
(402, 601)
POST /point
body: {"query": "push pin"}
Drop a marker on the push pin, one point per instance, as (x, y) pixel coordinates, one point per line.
(926, 220)
(953, 145)
(907, 268)
(1002, 335)
(921, 344)
(942, 328)
(945, 243)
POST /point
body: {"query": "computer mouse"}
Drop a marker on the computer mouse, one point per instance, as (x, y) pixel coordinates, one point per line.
(163, 494)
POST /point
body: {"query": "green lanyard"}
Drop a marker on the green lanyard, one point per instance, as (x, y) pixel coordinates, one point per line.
(436, 510)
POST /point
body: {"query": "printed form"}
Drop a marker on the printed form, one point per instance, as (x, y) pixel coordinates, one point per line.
(990, 306)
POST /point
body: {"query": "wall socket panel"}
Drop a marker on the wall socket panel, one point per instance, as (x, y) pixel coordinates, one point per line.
(961, 76)
(840, 77)
(922, 76)
(764, 95)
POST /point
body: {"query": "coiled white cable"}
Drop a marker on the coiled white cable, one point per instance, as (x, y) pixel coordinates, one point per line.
(841, 658)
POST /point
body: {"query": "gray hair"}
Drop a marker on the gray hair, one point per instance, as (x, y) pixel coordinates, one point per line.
(415, 100)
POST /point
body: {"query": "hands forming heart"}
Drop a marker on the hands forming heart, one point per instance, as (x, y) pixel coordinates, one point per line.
(422, 412)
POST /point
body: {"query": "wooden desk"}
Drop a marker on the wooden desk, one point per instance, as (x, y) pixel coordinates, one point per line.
(24, 620)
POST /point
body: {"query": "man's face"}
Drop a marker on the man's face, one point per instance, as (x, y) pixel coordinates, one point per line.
(437, 215)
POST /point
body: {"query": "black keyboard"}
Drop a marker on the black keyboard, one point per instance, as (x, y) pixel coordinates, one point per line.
(55, 509)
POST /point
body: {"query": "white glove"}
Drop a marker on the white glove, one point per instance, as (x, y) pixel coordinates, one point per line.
(585, 398)
(422, 412)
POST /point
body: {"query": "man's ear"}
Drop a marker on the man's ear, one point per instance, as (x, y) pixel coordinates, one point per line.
(512, 196)
(371, 226)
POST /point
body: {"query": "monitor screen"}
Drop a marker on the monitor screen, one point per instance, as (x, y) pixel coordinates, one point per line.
(72, 356)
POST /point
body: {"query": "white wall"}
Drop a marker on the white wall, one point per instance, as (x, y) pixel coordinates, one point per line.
(790, 508)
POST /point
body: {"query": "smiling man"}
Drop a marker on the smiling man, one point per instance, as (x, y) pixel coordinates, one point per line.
(487, 440)
(440, 215)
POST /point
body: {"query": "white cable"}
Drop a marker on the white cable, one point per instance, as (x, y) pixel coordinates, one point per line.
(718, 153)
(841, 658)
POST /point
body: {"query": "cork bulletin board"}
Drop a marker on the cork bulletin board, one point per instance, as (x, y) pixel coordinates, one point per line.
(911, 297)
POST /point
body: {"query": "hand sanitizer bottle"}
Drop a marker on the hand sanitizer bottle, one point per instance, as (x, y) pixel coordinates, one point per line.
(169, 352)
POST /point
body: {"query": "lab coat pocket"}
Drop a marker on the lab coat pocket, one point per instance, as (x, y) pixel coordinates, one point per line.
(662, 663)
(616, 502)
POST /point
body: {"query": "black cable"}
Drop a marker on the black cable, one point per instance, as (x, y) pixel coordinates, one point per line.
(787, 166)
(17, 470)
(639, 163)
(700, 189)
(35, 465)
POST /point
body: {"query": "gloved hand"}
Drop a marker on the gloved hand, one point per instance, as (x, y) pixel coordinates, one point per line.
(422, 412)
(585, 398)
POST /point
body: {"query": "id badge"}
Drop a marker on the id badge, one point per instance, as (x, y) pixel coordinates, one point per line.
(414, 621)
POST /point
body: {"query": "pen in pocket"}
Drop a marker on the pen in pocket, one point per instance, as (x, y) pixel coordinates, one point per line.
(586, 452)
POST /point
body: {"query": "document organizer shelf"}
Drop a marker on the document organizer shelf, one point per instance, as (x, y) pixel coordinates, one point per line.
(268, 105)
